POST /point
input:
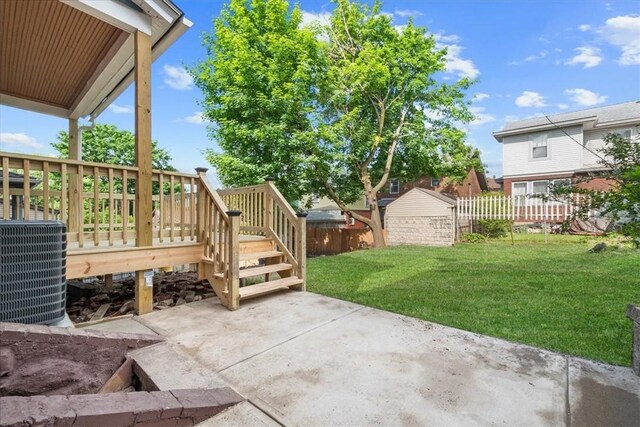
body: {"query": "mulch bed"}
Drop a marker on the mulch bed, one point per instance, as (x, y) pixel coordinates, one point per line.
(94, 300)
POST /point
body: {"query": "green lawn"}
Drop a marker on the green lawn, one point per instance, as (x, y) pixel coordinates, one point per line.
(555, 295)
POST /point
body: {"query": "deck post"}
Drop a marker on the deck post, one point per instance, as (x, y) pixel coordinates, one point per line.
(200, 217)
(143, 207)
(75, 153)
(268, 204)
(301, 249)
(234, 259)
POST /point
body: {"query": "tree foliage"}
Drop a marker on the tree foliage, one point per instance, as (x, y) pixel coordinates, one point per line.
(620, 159)
(107, 144)
(258, 83)
(335, 111)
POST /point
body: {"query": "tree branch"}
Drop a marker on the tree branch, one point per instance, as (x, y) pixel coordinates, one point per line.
(344, 207)
(390, 153)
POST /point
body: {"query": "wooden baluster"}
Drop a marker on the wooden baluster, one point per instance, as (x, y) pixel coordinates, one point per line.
(80, 205)
(171, 207)
(45, 190)
(6, 202)
(26, 187)
(182, 209)
(192, 210)
(125, 207)
(111, 206)
(96, 211)
(63, 193)
(161, 207)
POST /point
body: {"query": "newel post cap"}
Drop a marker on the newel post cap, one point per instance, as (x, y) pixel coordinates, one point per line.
(202, 170)
(234, 213)
(302, 214)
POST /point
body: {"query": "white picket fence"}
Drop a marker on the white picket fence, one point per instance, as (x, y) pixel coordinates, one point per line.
(517, 208)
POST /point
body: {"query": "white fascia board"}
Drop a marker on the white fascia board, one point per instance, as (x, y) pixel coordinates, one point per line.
(38, 107)
(627, 122)
(114, 13)
(501, 134)
(158, 49)
(157, 9)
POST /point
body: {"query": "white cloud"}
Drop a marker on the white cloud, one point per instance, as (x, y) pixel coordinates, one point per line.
(195, 119)
(458, 65)
(563, 106)
(443, 38)
(530, 99)
(530, 58)
(177, 78)
(584, 27)
(479, 97)
(19, 139)
(624, 33)
(587, 56)
(120, 109)
(308, 18)
(584, 97)
(481, 118)
(405, 13)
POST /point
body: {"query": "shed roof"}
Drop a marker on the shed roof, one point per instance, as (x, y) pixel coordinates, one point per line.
(72, 58)
(439, 196)
(598, 117)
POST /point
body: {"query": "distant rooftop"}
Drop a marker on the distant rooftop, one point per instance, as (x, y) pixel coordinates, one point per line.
(601, 116)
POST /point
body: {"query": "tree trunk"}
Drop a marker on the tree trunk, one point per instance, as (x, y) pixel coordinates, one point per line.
(376, 227)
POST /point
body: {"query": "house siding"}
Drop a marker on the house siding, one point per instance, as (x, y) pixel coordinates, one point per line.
(594, 143)
(564, 152)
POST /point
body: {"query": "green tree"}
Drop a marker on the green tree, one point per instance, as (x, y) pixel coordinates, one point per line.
(108, 144)
(335, 111)
(620, 158)
(258, 84)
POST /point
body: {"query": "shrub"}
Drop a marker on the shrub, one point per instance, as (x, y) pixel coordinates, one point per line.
(493, 228)
(473, 238)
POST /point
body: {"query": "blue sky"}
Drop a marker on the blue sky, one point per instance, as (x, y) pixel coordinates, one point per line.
(529, 57)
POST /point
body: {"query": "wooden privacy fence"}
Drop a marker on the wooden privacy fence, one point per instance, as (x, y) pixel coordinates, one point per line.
(332, 241)
(518, 208)
(97, 201)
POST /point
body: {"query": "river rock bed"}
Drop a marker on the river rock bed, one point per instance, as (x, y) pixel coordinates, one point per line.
(87, 301)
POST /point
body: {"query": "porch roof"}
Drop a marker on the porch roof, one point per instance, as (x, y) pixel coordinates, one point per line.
(72, 58)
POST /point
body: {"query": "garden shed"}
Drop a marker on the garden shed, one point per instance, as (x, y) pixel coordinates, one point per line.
(421, 217)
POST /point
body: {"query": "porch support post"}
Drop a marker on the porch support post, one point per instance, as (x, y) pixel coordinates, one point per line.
(143, 207)
(200, 218)
(75, 153)
(301, 249)
(233, 255)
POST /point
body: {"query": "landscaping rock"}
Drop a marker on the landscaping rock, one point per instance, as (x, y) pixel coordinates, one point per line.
(600, 247)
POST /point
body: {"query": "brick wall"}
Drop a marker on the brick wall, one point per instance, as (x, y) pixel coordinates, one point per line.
(421, 230)
(156, 408)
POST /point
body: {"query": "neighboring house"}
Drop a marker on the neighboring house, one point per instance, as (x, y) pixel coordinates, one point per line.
(541, 151)
(16, 201)
(421, 217)
(473, 185)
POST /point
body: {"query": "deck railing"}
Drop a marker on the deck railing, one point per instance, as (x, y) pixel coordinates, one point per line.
(95, 200)
(266, 212)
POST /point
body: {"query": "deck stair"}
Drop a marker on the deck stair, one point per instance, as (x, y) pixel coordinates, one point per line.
(260, 261)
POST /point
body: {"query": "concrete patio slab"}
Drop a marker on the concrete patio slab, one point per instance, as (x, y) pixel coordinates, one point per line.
(241, 415)
(305, 359)
(128, 325)
(602, 394)
(218, 338)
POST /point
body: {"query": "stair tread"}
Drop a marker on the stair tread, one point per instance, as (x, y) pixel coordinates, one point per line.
(257, 255)
(268, 287)
(264, 269)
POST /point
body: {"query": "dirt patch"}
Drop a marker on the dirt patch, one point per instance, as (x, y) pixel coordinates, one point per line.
(169, 290)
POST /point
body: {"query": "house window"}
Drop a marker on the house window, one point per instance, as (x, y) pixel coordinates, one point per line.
(394, 186)
(315, 199)
(435, 182)
(539, 146)
(626, 134)
(519, 192)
